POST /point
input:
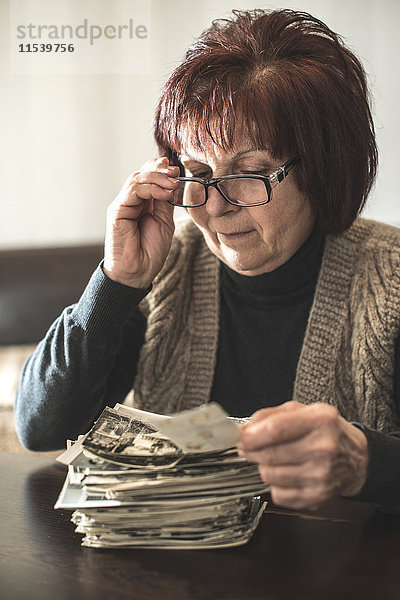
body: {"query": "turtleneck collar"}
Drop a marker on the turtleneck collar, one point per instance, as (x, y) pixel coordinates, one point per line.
(284, 284)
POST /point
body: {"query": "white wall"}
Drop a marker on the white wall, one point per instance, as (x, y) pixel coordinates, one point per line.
(69, 141)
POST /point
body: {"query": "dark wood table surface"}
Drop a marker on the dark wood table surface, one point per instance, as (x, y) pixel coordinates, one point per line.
(346, 551)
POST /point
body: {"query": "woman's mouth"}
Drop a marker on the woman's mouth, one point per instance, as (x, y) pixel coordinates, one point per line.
(233, 235)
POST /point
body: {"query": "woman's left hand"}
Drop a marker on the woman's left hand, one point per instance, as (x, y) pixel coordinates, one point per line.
(306, 453)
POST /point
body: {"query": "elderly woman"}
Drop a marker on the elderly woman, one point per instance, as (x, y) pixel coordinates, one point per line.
(273, 298)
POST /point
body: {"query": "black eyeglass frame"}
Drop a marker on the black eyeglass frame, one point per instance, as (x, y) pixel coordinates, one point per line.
(270, 181)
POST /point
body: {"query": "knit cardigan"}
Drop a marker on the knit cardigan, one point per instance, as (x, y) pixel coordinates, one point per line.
(347, 358)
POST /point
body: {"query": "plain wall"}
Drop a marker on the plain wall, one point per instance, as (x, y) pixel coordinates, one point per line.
(68, 142)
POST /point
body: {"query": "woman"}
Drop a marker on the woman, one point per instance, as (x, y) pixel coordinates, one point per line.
(274, 298)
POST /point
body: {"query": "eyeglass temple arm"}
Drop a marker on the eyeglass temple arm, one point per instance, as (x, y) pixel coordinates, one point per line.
(283, 171)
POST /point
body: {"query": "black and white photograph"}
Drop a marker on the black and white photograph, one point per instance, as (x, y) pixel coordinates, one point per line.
(120, 435)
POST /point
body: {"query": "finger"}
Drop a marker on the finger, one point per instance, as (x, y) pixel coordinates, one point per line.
(296, 452)
(154, 163)
(137, 192)
(275, 428)
(317, 445)
(164, 212)
(159, 222)
(161, 178)
(265, 412)
(299, 498)
(154, 192)
(160, 165)
(123, 210)
(287, 426)
(288, 476)
(172, 170)
(308, 474)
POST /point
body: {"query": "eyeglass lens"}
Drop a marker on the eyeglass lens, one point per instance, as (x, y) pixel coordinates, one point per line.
(244, 192)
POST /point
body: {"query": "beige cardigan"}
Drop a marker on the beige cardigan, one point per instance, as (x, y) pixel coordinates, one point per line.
(347, 357)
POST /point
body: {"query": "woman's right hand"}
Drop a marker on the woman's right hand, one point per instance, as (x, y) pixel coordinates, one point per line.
(140, 225)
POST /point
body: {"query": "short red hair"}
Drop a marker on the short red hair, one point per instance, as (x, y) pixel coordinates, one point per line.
(296, 88)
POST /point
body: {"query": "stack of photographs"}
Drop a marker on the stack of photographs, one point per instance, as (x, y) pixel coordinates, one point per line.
(144, 480)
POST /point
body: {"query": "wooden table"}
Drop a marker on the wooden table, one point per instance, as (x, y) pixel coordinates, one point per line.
(347, 551)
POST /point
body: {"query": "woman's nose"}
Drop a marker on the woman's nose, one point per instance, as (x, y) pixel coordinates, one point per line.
(217, 205)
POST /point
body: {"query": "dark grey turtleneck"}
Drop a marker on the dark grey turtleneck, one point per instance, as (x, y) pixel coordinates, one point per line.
(262, 325)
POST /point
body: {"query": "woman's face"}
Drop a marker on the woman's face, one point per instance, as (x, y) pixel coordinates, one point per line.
(250, 240)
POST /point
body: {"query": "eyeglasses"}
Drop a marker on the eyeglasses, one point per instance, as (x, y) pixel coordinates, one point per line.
(239, 190)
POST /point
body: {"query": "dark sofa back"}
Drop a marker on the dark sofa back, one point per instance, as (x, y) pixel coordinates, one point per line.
(35, 286)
